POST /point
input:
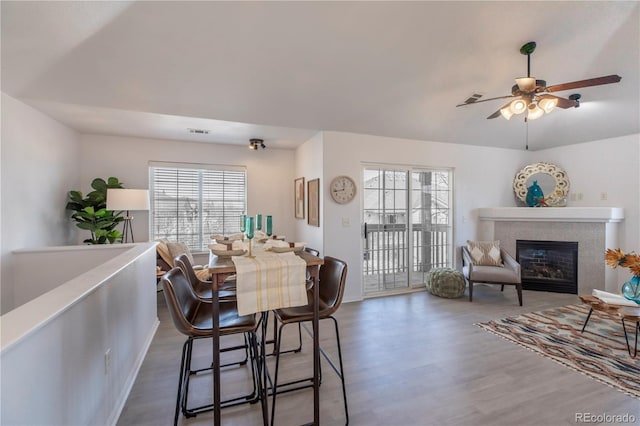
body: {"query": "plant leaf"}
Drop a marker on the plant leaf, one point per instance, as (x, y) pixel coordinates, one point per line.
(113, 182)
(99, 184)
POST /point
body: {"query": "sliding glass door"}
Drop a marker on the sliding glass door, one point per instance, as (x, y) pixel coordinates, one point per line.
(407, 232)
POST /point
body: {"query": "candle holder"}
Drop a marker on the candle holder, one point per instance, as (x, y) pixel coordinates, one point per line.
(250, 255)
(269, 225)
(249, 233)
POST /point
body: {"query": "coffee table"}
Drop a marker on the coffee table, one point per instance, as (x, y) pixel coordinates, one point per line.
(623, 312)
(633, 315)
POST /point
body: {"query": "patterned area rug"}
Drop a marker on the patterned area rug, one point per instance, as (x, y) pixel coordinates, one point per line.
(600, 352)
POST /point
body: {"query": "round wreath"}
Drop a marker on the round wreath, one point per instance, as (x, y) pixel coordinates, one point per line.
(558, 197)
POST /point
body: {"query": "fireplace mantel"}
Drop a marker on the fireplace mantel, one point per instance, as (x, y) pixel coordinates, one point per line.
(594, 228)
(553, 214)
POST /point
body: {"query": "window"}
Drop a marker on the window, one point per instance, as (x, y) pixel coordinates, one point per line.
(190, 202)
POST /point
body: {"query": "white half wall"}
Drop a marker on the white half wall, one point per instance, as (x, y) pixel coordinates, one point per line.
(56, 266)
(70, 356)
(40, 164)
(269, 171)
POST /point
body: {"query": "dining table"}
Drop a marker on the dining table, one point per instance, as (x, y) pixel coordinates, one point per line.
(222, 267)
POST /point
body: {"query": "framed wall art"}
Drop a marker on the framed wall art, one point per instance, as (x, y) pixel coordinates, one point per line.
(298, 196)
(313, 203)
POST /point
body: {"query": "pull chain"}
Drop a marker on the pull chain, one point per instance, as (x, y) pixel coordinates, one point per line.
(526, 123)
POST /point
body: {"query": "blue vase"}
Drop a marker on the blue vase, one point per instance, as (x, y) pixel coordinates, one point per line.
(534, 194)
(631, 289)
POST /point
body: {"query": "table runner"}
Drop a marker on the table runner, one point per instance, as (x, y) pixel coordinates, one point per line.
(270, 281)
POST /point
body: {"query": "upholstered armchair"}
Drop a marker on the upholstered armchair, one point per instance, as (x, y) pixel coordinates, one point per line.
(506, 271)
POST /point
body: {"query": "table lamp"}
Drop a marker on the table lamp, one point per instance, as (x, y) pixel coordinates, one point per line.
(127, 200)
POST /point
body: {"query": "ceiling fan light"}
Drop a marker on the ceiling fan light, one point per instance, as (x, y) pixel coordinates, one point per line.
(506, 112)
(518, 106)
(526, 84)
(548, 104)
(535, 112)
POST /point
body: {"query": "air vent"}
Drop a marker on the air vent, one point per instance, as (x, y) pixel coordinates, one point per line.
(199, 131)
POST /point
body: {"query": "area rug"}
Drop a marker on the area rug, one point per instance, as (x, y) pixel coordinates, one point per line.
(600, 352)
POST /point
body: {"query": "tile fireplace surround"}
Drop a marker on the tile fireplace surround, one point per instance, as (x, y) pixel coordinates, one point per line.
(594, 228)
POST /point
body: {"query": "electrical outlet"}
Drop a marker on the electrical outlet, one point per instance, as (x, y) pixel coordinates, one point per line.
(346, 222)
(579, 196)
(107, 361)
(603, 196)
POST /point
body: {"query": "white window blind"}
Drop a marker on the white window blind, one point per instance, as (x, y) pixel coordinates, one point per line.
(188, 204)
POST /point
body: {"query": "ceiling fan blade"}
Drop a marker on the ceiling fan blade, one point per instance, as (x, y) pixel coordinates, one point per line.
(564, 103)
(584, 83)
(497, 113)
(485, 100)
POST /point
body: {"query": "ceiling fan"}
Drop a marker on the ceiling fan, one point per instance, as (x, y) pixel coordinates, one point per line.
(534, 96)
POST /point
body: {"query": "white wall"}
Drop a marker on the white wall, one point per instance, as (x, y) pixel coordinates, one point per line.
(309, 164)
(610, 166)
(269, 171)
(56, 266)
(482, 178)
(52, 357)
(40, 164)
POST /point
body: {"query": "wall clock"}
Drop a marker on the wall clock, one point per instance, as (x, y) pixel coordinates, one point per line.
(343, 189)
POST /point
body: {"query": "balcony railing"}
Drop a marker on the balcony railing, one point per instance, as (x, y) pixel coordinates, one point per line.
(386, 248)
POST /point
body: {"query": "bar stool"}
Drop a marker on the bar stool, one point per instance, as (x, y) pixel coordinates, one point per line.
(203, 288)
(192, 317)
(333, 275)
(312, 252)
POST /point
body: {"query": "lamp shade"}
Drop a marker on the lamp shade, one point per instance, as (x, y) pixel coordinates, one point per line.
(535, 112)
(127, 199)
(506, 112)
(518, 106)
(548, 103)
(526, 84)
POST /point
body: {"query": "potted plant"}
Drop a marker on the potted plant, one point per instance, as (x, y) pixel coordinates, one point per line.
(91, 214)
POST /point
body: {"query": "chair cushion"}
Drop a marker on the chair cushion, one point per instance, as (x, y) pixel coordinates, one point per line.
(203, 274)
(485, 253)
(163, 252)
(491, 274)
(176, 249)
(446, 282)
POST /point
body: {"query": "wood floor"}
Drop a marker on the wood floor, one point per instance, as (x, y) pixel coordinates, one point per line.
(412, 359)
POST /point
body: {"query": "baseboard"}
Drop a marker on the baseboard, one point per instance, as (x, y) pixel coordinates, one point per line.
(124, 395)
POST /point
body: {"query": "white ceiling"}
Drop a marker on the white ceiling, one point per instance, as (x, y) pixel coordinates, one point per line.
(282, 71)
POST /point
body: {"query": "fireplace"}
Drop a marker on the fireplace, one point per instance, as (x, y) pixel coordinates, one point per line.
(548, 265)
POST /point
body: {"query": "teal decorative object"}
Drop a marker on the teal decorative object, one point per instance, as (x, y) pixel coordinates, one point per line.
(534, 194)
(631, 289)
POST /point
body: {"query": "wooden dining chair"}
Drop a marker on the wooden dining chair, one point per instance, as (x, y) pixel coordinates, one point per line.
(192, 316)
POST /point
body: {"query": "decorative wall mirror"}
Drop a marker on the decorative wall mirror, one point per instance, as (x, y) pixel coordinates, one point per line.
(550, 178)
